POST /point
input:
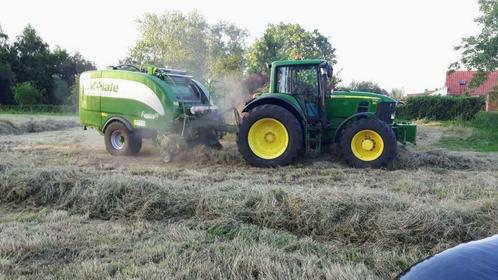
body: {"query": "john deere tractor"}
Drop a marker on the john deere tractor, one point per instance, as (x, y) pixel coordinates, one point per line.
(299, 115)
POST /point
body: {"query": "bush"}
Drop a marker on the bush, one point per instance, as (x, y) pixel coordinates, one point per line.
(26, 94)
(441, 108)
(486, 120)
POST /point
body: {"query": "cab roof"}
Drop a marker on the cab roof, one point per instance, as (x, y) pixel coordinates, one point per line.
(297, 62)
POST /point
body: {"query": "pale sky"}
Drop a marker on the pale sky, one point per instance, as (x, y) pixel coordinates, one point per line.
(397, 43)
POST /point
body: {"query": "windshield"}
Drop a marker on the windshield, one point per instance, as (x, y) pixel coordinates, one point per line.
(297, 80)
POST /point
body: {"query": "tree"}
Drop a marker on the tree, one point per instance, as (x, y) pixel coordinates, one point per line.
(26, 93)
(66, 68)
(366, 86)
(3, 37)
(7, 76)
(397, 93)
(481, 52)
(30, 60)
(33, 63)
(288, 41)
(61, 90)
(226, 44)
(7, 79)
(67, 65)
(73, 98)
(173, 39)
(188, 42)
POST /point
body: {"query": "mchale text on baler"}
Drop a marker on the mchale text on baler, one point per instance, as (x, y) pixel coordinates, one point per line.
(294, 118)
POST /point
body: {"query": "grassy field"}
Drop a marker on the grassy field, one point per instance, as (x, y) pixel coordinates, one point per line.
(483, 136)
(68, 210)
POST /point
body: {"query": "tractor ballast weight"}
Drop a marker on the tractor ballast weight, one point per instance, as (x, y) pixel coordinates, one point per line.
(126, 104)
(300, 113)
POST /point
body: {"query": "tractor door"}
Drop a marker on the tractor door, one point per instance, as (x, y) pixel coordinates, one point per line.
(301, 81)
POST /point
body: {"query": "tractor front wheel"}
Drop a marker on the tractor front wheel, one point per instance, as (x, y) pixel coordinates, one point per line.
(368, 143)
(269, 136)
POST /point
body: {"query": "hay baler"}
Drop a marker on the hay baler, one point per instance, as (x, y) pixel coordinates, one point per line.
(127, 104)
(300, 113)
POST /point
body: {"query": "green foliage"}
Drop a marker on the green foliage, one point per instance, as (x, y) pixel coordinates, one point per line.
(365, 86)
(288, 41)
(26, 93)
(226, 44)
(486, 120)
(440, 107)
(484, 135)
(73, 98)
(481, 51)
(3, 36)
(31, 60)
(7, 79)
(397, 93)
(484, 128)
(61, 90)
(188, 42)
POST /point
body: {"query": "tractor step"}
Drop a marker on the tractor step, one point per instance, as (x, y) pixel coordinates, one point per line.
(313, 140)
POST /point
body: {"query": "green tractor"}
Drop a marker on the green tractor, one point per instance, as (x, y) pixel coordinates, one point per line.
(299, 114)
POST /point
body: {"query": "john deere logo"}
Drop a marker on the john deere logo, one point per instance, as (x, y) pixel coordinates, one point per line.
(104, 86)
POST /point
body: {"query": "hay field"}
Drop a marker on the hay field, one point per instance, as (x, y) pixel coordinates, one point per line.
(68, 210)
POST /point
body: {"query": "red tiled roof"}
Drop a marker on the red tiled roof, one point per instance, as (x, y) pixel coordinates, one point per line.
(458, 83)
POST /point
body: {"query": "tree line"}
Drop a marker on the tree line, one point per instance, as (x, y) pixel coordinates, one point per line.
(217, 54)
(32, 73)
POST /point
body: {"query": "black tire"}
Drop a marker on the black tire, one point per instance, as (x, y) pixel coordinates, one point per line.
(136, 144)
(289, 121)
(386, 133)
(128, 143)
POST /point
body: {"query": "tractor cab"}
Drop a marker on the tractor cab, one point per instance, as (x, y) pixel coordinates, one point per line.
(307, 81)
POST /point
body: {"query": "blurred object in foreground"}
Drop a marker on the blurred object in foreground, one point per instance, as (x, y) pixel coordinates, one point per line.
(473, 260)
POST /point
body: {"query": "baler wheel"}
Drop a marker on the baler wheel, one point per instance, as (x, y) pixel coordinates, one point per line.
(119, 141)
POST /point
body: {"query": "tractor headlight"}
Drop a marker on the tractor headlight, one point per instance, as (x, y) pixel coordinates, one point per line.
(393, 115)
(202, 109)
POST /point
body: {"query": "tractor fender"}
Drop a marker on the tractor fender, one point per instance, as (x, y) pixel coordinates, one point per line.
(344, 123)
(292, 107)
(120, 119)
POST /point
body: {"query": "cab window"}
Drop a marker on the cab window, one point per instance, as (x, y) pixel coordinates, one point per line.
(297, 80)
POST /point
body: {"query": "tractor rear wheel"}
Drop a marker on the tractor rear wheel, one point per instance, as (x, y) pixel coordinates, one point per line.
(269, 136)
(368, 143)
(119, 141)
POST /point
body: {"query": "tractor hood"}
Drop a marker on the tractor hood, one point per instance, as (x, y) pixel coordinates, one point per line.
(362, 94)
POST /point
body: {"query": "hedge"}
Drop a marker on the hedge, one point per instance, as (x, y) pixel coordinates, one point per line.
(441, 108)
(486, 120)
(34, 109)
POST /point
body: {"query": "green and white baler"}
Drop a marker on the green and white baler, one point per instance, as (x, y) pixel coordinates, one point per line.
(126, 104)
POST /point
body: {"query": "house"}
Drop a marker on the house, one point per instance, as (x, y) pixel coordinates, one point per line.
(458, 83)
(436, 92)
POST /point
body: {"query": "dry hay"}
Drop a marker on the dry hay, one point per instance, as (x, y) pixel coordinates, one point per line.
(8, 127)
(174, 149)
(409, 158)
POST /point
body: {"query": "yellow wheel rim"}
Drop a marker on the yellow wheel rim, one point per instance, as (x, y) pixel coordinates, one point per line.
(268, 138)
(367, 145)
